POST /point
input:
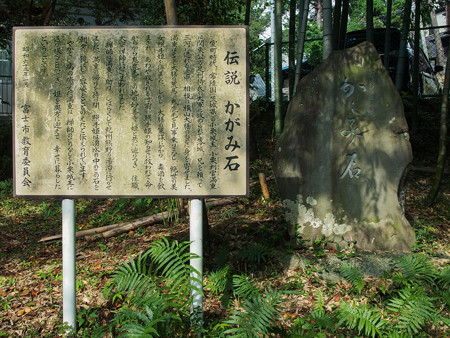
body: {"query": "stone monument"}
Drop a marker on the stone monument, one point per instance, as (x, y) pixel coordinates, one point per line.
(343, 152)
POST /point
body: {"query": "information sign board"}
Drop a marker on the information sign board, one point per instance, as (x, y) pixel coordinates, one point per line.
(134, 111)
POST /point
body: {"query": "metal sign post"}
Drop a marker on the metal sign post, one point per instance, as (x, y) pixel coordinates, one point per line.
(68, 258)
(196, 238)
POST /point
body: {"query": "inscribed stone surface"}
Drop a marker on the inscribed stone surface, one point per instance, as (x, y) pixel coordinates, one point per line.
(343, 152)
(131, 111)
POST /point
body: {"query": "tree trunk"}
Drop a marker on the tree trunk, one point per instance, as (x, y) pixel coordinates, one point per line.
(369, 21)
(248, 7)
(402, 54)
(343, 26)
(278, 65)
(171, 13)
(292, 10)
(440, 58)
(319, 13)
(49, 10)
(437, 181)
(301, 41)
(336, 23)
(327, 29)
(415, 78)
(387, 37)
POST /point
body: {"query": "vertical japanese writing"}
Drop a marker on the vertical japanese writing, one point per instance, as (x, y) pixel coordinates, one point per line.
(26, 66)
(232, 109)
(135, 130)
(174, 110)
(109, 51)
(96, 130)
(109, 145)
(134, 56)
(121, 66)
(188, 118)
(25, 144)
(134, 105)
(161, 55)
(70, 176)
(44, 58)
(200, 109)
(161, 174)
(57, 51)
(213, 127)
(69, 66)
(82, 59)
(353, 133)
(57, 126)
(148, 122)
(57, 166)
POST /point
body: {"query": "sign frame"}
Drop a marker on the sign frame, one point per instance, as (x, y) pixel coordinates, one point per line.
(138, 195)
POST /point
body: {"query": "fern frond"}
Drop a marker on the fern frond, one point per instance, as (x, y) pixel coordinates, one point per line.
(219, 280)
(161, 277)
(361, 317)
(319, 304)
(257, 317)
(146, 323)
(416, 269)
(354, 275)
(137, 281)
(444, 277)
(172, 262)
(243, 287)
(443, 282)
(398, 334)
(172, 259)
(413, 309)
(323, 320)
(253, 253)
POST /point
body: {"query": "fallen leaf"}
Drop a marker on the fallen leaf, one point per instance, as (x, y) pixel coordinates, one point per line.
(21, 312)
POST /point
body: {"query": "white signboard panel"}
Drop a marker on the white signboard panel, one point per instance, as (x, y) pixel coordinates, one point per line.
(136, 111)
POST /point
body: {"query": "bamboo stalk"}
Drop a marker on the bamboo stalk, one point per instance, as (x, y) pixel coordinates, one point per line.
(130, 226)
(264, 188)
(81, 233)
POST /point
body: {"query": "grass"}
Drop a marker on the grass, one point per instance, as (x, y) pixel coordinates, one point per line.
(251, 233)
(247, 238)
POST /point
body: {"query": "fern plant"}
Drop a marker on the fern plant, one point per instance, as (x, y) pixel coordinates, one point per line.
(257, 316)
(366, 320)
(418, 294)
(145, 323)
(253, 254)
(322, 319)
(413, 308)
(443, 282)
(158, 284)
(414, 269)
(354, 275)
(219, 281)
(243, 287)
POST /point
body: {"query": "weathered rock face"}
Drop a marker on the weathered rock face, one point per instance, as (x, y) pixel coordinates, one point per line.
(342, 154)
